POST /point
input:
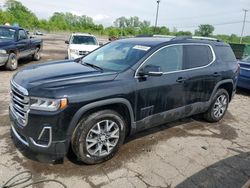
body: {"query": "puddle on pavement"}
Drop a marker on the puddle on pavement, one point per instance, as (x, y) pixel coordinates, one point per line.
(135, 146)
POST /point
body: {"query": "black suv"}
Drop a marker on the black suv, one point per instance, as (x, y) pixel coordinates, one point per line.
(91, 104)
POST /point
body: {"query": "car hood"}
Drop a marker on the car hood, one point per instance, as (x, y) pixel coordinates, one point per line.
(83, 47)
(56, 75)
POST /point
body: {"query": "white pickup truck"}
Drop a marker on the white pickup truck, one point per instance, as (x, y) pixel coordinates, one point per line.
(80, 44)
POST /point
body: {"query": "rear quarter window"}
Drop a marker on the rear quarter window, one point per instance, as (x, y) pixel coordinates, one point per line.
(197, 56)
(225, 53)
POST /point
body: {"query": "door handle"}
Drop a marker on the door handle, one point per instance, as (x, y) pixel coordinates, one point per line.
(181, 79)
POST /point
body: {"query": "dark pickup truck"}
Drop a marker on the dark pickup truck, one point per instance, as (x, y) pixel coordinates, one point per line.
(15, 44)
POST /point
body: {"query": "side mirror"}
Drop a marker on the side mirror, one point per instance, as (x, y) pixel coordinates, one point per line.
(100, 44)
(150, 70)
(66, 42)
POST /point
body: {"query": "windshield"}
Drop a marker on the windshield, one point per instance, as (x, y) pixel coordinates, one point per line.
(247, 59)
(116, 56)
(87, 40)
(7, 33)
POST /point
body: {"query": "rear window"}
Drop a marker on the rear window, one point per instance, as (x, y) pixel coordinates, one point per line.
(197, 56)
(225, 53)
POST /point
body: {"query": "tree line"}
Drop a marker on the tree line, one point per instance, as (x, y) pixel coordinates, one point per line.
(16, 13)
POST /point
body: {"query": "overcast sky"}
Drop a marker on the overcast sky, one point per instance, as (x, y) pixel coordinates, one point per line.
(225, 15)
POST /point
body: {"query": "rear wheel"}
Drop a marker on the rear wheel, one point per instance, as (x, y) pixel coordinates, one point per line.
(218, 107)
(98, 137)
(37, 55)
(12, 63)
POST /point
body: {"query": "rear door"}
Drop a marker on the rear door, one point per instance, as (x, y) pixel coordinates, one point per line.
(202, 76)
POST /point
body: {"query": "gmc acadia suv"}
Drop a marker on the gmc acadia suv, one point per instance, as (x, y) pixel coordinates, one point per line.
(92, 103)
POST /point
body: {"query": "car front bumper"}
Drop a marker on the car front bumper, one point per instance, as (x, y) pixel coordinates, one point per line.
(3, 59)
(28, 137)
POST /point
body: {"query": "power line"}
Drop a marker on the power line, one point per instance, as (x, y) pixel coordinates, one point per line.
(243, 26)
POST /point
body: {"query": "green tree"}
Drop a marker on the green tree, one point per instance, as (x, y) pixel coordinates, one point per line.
(6, 17)
(204, 30)
(113, 31)
(183, 33)
(21, 15)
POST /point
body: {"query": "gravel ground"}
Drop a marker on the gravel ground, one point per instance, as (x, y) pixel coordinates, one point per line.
(186, 153)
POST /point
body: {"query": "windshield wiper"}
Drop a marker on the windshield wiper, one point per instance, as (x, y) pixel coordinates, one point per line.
(93, 66)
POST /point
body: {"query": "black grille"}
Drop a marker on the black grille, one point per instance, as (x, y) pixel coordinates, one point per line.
(19, 104)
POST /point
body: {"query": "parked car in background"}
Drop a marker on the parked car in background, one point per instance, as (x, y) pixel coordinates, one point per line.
(92, 103)
(15, 44)
(37, 32)
(80, 44)
(244, 77)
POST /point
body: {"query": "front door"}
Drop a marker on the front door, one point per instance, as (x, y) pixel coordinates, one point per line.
(23, 44)
(161, 98)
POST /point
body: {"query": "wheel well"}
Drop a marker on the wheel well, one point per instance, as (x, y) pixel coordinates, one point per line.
(120, 108)
(229, 88)
(13, 51)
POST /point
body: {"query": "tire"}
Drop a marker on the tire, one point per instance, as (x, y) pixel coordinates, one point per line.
(12, 62)
(217, 109)
(87, 129)
(37, 56)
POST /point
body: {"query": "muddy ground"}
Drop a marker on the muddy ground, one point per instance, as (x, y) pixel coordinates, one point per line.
(186, 153)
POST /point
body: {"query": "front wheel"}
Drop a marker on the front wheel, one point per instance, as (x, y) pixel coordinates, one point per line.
(218, 106)
(12, 63)
(98, 136)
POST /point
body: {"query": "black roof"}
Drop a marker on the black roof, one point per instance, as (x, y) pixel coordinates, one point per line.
(11, 27)
(156, 41)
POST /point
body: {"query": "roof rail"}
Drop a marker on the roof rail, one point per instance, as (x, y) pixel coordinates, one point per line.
(196, 37)
(158, 36)
(182, 37)
(164, 36)
(205, 38)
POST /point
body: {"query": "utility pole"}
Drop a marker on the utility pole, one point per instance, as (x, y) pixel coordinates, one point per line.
(243, 27)
(156, 19)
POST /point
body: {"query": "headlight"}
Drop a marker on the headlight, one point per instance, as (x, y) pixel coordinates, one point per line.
(73, 51)
(45, 104)
(3, 51)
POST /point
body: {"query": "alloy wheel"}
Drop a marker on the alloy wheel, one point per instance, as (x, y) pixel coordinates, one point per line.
(102, 138)
(220, 106)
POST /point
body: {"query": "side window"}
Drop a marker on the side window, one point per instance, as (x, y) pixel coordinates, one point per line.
(197, 56)
(168, 59)
(225, 53)
(22, 35)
